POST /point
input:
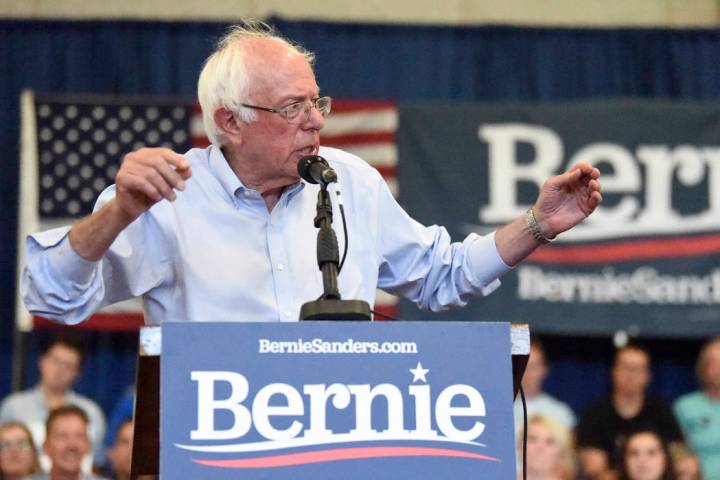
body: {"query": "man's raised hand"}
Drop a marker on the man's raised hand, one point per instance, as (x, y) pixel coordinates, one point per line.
(147, 176)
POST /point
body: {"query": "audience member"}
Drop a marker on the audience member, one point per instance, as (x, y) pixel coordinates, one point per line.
(66, 444)
(123, 410)
(538, 402)
(59, 367)
(18, 456)
(699, 412)
(607, 422)
(550, 454)
(120, 454)
(645, 456)
(685, 462)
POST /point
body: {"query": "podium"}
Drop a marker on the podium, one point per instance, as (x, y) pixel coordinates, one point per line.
(328, 399)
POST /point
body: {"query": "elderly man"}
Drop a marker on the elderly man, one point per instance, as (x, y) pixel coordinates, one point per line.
(226, 233)
(699, 412)
(66, 443)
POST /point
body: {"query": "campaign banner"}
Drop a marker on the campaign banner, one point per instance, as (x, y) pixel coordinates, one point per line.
(325, 400)
(647, 261)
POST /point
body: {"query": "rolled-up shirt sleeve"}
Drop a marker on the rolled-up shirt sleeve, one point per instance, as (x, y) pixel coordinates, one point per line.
(58, 284)
(56, 281)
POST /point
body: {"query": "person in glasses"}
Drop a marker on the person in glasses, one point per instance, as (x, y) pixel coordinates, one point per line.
(226, 232)
(18, 457)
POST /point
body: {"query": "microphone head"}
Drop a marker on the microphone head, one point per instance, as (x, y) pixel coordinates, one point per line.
(306, 163)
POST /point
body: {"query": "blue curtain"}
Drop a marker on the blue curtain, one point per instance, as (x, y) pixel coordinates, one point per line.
(353, 61)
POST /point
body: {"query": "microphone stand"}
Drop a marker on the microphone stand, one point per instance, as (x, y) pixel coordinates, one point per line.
(330, 306)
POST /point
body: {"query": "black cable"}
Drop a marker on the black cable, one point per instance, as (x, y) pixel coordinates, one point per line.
(345, 233)
(388, 317)
(524, 442)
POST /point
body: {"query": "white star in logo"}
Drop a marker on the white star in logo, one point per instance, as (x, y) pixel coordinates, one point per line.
(419, 373)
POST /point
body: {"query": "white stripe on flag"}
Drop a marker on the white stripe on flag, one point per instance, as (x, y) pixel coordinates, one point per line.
(361, 122)
(376, 154)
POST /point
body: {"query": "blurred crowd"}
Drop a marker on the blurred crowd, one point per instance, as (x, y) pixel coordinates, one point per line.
(627, 434)
(51, 432)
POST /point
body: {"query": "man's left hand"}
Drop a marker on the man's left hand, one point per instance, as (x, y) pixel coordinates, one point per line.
(565, 200)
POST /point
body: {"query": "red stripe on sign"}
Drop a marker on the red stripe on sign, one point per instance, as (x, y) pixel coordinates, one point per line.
(343, 106)
(629, 250)
(342, 454)
(110, 322)
(348, 139)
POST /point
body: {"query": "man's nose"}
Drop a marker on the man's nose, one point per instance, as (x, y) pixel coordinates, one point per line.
(315, 120)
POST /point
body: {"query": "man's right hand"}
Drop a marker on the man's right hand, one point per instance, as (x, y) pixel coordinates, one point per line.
(148, 175)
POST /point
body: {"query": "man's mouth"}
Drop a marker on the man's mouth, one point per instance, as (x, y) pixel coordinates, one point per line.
(308, 150)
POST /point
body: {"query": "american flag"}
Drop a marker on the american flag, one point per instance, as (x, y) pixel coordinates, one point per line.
(72, 146)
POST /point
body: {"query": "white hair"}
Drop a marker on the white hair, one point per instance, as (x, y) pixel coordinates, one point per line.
(224, 81)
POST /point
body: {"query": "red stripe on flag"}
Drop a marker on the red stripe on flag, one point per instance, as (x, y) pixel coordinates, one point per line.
(111, 322)
(386, 312)
(357, 138)
(343, 106)
(386, 171)
(627, 251)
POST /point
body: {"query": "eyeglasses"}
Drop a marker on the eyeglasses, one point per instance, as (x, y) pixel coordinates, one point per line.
(299, 112)
(23, 444)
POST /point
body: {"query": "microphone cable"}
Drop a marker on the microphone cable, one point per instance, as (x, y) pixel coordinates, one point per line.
(524, 440)
(344, 224)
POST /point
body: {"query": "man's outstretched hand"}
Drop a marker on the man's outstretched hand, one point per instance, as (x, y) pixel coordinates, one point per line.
(566, 200)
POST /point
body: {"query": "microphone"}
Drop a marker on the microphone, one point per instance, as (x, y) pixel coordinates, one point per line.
(315, 169)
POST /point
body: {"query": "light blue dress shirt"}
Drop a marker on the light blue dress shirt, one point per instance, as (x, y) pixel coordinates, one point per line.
(217, 254)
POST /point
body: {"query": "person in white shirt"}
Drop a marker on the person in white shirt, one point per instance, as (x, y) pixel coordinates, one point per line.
(538, 402)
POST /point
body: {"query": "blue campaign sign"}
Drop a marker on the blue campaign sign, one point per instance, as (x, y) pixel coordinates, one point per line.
(350, 400)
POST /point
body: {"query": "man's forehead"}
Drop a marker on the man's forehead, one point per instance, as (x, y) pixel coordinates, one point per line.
(69, 421)
(282, 76)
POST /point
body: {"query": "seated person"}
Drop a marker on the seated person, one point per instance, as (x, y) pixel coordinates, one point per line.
(685, 463)
(59, 367)
(699, 412)
(66, 444)
(18, 456)
(645, 456)
(550, 454)
(538, 402)
(607, 422)
(120, 454)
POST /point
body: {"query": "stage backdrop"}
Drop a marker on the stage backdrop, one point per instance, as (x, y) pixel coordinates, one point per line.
(646, 261)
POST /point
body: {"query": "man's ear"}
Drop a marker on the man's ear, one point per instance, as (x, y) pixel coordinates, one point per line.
(227, 123)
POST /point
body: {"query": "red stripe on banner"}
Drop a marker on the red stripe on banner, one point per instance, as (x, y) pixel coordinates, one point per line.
(342, 454)
(625, 251)
(352, 106)
(349, 139)
(109, 322)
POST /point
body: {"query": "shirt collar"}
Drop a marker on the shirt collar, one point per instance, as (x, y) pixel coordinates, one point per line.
(222, 171)
(230, 181)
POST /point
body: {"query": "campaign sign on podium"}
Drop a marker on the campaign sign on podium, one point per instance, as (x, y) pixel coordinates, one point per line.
(327, 400)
